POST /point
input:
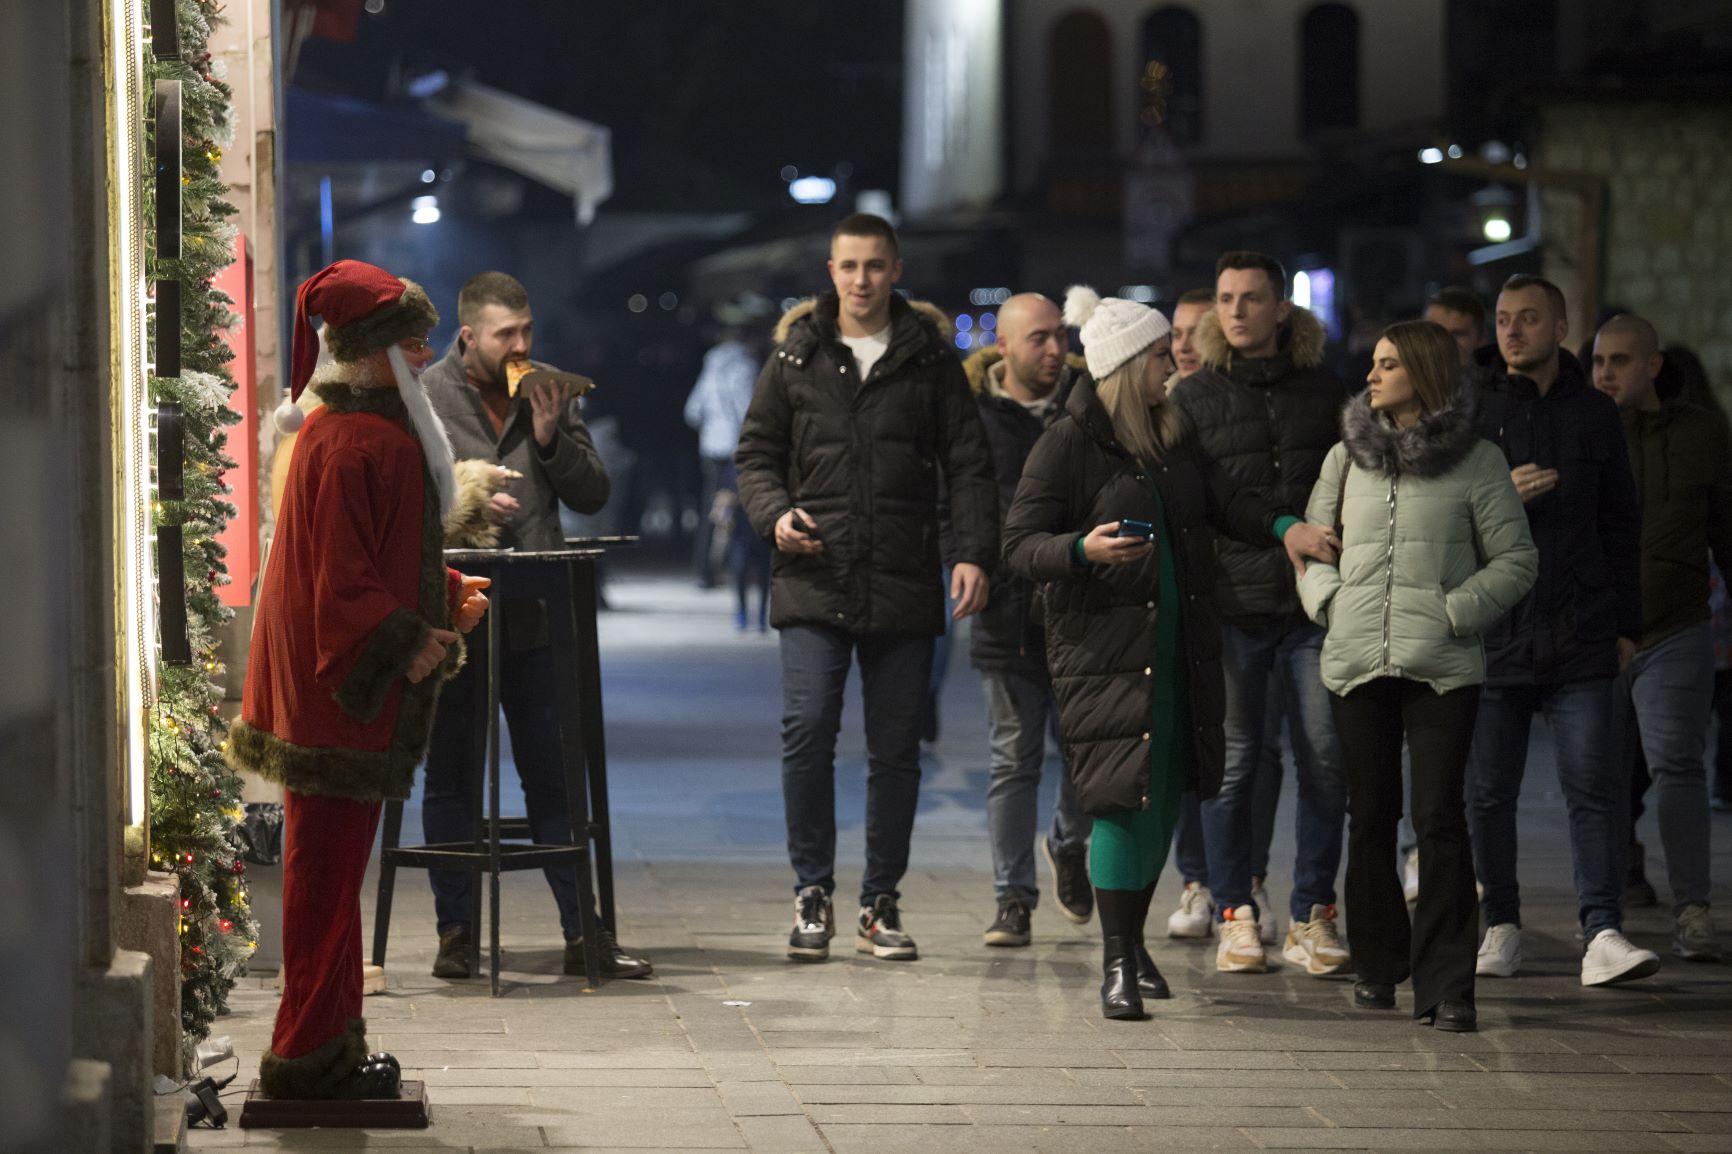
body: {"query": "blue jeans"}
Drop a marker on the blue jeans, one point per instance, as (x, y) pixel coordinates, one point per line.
(1189, 854)
(1596, 794)
(1018, 708)
(1664, 700)
(895, 673)
(526, 695)
(1248, 657)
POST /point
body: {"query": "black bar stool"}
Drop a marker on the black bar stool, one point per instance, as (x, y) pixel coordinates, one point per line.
(565, 579)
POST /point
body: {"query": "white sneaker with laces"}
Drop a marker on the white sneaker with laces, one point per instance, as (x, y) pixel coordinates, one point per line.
(1410, 877)
(1316, 944)
(1196, 910)
(1612, 958)
(1500, 954)
(1239, 949)
(1694, 941)
(1268, 923)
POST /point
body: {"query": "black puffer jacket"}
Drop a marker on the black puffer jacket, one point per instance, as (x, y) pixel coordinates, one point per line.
(1683, 466)
(865, 461)
(1269, 421)
(1588, 529)
(1009, 634)
(1100, 619)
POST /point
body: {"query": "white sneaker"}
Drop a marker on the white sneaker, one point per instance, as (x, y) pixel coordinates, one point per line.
(1500, 954)
(1316, 944)
(1410, 877)
(1196, 910)
(1240, 948)
(1613, 958)
(1268, 923)
(1694, 941)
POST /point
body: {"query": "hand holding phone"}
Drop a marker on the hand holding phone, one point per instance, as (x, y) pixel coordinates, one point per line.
(1133, 528)
(1109, 544)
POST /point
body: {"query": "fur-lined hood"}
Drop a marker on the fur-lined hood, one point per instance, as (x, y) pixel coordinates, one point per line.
(980, 368)
(821, 321)
(1439, 442)
(1301, 337)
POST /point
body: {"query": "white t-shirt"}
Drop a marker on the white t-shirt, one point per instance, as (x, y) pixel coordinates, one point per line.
(867, 350)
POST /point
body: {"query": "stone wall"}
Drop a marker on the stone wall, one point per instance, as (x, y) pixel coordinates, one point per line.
(1668, 229)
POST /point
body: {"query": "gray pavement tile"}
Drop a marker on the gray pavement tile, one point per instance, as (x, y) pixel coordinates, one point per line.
(624, 1100)
(1374, 1060)
(1210, 1079)
(998, 1076)
(1068, 1059)
(1407, 1139)
(624, 1060)
(1476, 1118)
(1214, 1060)
(1716, 1143)
(916, 1139)
(1160, 1118)
(887, 1114)
(1679, 1064)
(574, 1079)
(1055, 1095)
(1705, 1123)
(780, 1135)
(743, 1099)
(660, 1130)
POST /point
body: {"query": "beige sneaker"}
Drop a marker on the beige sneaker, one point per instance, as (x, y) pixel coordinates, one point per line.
(1316, 944)
(1240, 948)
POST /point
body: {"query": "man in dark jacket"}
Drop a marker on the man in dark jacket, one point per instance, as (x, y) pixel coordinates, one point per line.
(1561, 646)
(1266, 409)
(1683, 467)
(540, 437)
(1020, 384)
(859, 417)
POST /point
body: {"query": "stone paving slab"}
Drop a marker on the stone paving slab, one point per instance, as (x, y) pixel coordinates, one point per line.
(970, 1049)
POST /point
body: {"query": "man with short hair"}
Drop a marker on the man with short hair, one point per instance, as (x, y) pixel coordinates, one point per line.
(539, 436)
(1192, 306)
(1663, 698)
(1459, 312)
(1266, 408)
(1560, 648)
(1020, 384)
(860, 416)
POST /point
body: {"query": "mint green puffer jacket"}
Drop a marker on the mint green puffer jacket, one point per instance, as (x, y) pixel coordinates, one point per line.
(1435, 549)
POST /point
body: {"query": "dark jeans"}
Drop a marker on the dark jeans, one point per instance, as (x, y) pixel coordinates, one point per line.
(526, 695)
(1595, 786)
(1438, 950)
(1189, 853)
(1723, 743)
(1248, 656)
(895, 673)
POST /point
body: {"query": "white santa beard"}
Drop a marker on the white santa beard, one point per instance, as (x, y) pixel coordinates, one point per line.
(435, 442)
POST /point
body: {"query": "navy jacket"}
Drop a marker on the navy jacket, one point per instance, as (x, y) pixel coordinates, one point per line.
(1588, 529)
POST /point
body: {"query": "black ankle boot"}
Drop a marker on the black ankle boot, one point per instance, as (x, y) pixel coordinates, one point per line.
(1374, 995)
(1120, 999)
(1150, 984)
(1454, 1017)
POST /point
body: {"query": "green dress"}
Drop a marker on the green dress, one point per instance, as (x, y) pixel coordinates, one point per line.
(1128, 850)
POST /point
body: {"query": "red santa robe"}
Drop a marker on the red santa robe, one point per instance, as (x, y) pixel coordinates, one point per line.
(355, 580)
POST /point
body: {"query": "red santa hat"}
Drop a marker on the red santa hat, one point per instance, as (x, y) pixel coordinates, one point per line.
(364, 308)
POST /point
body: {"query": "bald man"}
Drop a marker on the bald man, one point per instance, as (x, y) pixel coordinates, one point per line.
(1021, 384)
(1683, 466)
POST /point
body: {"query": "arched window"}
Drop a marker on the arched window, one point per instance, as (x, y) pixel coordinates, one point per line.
(1173, 36)
(1080, 77)
(1329, 68)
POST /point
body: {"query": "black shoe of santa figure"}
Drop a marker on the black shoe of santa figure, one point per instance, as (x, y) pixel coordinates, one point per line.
(338, 1085)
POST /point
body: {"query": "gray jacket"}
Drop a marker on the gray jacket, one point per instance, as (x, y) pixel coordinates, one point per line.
(571, 471)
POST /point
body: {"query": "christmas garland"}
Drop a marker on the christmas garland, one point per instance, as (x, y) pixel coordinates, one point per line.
(195, 803)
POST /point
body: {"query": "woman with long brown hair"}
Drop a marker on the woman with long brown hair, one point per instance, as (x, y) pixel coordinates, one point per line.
(1435, 549)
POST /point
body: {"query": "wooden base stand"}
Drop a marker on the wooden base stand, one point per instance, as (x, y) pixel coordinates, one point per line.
(409, 1111)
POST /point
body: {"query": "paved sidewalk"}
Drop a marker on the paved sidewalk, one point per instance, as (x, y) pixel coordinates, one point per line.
(972, 1049)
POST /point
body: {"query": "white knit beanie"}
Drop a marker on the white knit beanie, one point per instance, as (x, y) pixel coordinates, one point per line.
(1113, 330)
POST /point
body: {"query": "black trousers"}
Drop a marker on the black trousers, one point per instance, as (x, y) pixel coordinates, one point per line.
(1438, 949)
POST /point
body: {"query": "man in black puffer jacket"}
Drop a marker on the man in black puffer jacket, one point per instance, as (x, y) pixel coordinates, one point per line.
(860, 415)
(1560, 647)
(1021, 383)
(1266, 409)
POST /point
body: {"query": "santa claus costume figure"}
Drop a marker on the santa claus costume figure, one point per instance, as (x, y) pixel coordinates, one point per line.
(357, 626)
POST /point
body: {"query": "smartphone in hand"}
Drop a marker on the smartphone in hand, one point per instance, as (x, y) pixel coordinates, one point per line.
(810, 528)
(1133, 528)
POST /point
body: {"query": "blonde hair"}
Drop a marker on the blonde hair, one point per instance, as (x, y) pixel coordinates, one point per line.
(1140, 429)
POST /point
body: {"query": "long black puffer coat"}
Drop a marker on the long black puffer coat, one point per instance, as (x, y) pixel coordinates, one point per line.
(1270, 422)
(866, 460)
(1100, 619)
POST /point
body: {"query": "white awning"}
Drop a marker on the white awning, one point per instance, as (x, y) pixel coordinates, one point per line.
(565, 153)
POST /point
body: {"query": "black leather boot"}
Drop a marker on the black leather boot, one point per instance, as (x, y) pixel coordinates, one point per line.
(1120, 999)
(1455, 1017)
(1150, 983)
(1374, 995)
(452, 961)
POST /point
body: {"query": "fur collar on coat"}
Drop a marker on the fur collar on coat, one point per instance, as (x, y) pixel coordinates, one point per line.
(1435, 445)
